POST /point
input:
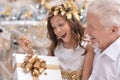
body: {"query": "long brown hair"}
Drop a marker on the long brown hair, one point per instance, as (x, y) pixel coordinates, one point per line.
(77, 31)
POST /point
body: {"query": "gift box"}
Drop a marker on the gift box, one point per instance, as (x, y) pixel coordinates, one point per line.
(51, 72)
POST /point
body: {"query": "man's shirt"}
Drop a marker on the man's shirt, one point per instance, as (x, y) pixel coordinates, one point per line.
(106, 65)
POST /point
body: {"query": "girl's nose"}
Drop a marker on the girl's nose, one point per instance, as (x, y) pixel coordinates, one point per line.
(59, 30)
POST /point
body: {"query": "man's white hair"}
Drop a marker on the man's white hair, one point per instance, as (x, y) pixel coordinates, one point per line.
(107, 10)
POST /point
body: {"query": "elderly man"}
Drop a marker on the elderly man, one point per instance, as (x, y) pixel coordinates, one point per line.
(103, 28)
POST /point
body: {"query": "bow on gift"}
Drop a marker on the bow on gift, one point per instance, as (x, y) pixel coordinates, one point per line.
(34, 64)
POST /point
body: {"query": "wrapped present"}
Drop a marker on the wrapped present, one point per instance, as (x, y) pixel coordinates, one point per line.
(34, 67)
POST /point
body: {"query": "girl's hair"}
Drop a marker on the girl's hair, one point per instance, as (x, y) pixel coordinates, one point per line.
(77, 31)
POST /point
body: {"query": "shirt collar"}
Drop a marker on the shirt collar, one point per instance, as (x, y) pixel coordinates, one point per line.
(97, 50)
(113, 50)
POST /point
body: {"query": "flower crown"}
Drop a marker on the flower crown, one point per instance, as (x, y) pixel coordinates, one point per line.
(68, 9)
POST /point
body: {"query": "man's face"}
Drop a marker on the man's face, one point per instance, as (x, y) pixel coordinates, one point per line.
(99, 34)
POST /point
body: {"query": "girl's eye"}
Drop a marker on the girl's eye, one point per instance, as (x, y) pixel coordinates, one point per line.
(58, 25)
(54, 27)
(61, 24)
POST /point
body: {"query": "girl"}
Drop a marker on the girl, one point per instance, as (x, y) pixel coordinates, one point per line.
(68, 43)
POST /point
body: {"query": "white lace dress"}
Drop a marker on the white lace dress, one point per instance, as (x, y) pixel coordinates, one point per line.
(70, 59)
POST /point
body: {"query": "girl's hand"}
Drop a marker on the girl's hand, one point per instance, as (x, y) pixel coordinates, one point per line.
(25, 44)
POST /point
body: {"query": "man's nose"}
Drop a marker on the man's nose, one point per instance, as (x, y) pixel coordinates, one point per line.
(86, 31)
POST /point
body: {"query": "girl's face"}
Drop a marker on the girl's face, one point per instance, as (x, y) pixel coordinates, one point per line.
(61, 28)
